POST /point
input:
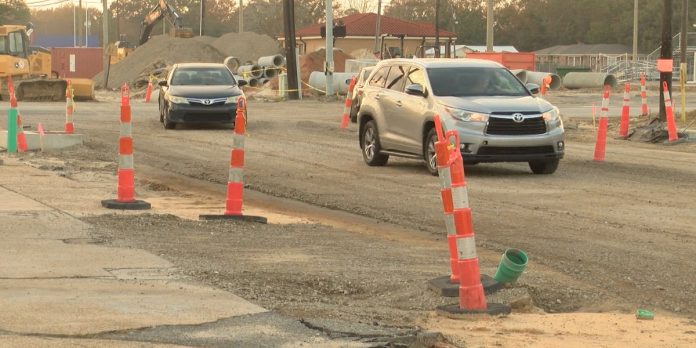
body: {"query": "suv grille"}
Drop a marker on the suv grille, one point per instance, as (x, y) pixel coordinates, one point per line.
(506, 126)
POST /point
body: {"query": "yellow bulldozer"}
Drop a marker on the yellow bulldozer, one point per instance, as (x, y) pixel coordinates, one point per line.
(30, 69)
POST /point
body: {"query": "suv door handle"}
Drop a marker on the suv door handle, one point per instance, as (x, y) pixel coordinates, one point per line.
(378, 96)
(399, 103)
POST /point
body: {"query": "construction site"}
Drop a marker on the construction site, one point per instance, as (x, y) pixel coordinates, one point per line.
(119, 232)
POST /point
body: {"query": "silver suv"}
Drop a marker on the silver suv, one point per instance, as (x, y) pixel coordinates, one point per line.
(497, 117)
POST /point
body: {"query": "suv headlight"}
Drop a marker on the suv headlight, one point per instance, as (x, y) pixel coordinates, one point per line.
(467, 116)
(177, 100)
(553, 117)
(232, 100)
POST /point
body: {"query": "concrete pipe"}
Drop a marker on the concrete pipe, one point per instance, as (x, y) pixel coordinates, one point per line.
(575, 80)
(521, 74)
(249, 71)
(253, 82)
(263, 81)
(232, 63)
(270, 73)
(341, 81)
(537, 77)
(275, 61)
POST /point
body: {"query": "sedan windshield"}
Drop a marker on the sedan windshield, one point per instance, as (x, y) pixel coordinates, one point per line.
(213, 76)
(470, 82)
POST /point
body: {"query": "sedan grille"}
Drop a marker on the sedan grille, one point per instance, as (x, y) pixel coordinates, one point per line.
(507, 126)
(206, 102)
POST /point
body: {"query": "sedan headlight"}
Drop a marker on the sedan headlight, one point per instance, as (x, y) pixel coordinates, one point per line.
(177, 100)
(467, 116)
(233, 99)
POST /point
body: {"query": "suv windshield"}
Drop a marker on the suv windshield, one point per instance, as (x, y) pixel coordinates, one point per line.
(469, 82)
(203, 76)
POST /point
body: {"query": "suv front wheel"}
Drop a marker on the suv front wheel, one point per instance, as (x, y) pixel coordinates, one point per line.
(544, 166)
(370, 145)
(429, 152)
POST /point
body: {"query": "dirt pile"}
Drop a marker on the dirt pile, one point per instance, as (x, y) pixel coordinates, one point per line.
(314, 61)
(162, 51)
(246, 46)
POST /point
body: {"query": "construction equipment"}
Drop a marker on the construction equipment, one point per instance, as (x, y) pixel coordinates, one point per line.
(120, 50)
(30, 69)
(161, 10)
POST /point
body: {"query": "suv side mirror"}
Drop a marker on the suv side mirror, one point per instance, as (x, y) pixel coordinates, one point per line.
(533, 88)
(415, 89)
(242, 83)
(162, 83)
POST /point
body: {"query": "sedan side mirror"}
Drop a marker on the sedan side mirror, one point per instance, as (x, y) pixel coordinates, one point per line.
(533, 88)
(242, 83)
(163, 83)
(415, 89)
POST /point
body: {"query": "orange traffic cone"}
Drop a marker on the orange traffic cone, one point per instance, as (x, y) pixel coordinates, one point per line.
(623, 128)
(148, 91)
(671, 125)
(235, 181)
(21, 137)
(347, 105)
(126, 170)
(601, 143)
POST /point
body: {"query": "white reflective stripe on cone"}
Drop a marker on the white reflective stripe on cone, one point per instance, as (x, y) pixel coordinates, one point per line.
(236, 175)
(125, 162)
(466, 248)
(445, 177)
(238, 141)
(449, 223)
(126, 129)
(460, 197)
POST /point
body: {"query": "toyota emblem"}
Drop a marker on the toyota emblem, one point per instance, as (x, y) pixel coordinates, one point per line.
(206, 101)
(518, 117)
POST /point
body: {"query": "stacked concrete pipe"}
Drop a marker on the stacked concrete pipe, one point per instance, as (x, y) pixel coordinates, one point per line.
(250, 71)
(575, 80)
(537, 77)
(521, 74)
(232, 63)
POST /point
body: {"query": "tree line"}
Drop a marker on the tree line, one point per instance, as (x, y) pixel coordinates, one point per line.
(526, 24)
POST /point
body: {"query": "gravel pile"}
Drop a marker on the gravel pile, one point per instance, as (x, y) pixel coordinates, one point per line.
(162, 51)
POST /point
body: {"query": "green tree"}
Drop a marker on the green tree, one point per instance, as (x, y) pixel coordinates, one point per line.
(14, 12)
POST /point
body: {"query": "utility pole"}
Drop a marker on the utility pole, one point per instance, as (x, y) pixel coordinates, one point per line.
(329, 63)
(489, 25)
(79, 25)
(241, 15)
(437, 28)
(666, 53)
(635, 31)
(289, 24)
(378, 29)
(682, 57)
(105, 42)
(201, 31)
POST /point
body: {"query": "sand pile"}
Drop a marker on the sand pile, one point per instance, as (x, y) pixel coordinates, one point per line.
(162, 51)
(314, 61)
(246, 46)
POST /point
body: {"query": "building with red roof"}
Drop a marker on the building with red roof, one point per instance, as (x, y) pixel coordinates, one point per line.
(398, 36)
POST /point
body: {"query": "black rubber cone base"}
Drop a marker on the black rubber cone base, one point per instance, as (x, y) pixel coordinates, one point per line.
(445, 288)
(248, 218)
(454, 312)
(134, 205)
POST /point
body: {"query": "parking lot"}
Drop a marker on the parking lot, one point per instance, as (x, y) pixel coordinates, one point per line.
(358, 243)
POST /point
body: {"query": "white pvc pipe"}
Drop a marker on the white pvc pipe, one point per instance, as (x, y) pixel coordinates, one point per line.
(341, 81)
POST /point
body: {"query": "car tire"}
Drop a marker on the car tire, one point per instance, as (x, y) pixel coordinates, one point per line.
(354, 111)
(544, 166)
(168, 124)
(161, 114)
(429, 152)
(371, 149)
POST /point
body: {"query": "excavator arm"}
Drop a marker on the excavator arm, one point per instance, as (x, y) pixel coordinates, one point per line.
(161, 10)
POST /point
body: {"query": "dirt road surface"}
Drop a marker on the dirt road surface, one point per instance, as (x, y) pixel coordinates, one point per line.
(355, 245)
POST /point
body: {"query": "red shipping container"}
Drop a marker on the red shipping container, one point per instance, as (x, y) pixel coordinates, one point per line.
(77, 62)
(511, 60)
